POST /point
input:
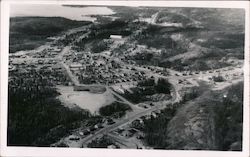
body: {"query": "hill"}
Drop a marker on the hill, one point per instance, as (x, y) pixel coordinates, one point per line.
(212, 121)
(30, 32)
(193, 41)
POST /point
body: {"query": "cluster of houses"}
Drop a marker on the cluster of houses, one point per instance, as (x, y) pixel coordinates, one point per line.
(49, 52)
(100, 68)
(30, 70)
(133, 129)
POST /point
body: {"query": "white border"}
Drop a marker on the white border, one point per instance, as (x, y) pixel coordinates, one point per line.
(32, 151)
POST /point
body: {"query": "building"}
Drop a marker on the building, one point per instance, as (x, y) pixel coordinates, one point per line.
(75, 65)
(92, 89)
(111, 146)
(74, 138)
(115, 36)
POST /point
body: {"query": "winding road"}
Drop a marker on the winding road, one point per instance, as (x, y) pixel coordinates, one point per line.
(138, 112)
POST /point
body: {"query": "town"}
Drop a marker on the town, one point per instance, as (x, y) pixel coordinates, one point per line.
(129, 81)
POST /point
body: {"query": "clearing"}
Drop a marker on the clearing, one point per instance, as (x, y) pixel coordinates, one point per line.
(84, 99)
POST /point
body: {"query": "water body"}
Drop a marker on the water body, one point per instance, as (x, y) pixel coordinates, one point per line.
(52, 10)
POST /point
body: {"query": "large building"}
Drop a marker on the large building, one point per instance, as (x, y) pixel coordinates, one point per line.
(115, 36)
(90, 88)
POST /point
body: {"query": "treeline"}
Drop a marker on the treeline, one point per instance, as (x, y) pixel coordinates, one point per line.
(197, 64)
(155, 129)
(153, 37)
(69, 38)
(173, 18)
(115, 109)
(47, 26)
(34, 111)
(146, 88)
(99, 46)
(225, 41)
(103, 31)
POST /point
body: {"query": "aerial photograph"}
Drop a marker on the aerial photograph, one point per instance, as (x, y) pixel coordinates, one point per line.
(126, 77)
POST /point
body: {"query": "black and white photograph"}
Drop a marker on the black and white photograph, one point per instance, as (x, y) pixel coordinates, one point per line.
(97, 76)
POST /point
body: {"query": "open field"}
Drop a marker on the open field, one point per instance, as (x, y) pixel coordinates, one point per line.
(84, 100)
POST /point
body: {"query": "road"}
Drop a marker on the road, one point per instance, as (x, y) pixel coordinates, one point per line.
(154, 18)
(138, 112)
(63, 52)
(133, 116)
(122, 122)
(175, 98)
(73, 78)
(133, 106)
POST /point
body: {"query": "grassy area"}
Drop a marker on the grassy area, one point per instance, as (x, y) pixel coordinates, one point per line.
(30, 32)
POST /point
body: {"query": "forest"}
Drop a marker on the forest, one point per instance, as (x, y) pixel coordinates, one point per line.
(27, 33)
(155, 129)
(115, 109)
(98, 32)
(34, 111)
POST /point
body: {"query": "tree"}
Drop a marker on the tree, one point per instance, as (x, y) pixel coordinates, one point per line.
(98, 47)
(163, 86)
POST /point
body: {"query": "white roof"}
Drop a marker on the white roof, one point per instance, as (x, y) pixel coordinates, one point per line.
(76, 65)
(116, 36)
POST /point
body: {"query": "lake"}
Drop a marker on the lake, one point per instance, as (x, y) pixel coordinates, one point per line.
(52, 10)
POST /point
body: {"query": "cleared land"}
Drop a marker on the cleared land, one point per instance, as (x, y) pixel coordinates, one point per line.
(84, 99)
